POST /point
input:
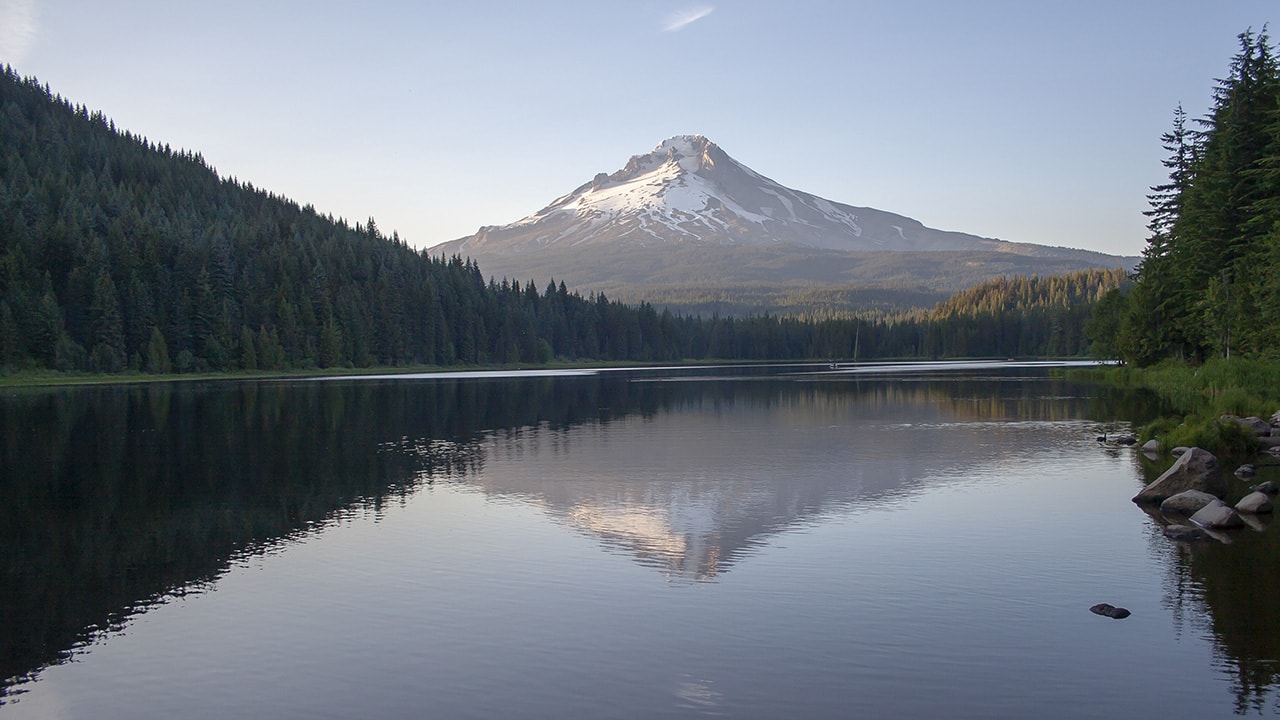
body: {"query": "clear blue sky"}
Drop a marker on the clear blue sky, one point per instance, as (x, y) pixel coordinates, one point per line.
(1023, 120)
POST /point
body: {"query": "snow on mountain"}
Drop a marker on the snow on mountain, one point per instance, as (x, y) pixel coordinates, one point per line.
(688, 214)
(689, 190)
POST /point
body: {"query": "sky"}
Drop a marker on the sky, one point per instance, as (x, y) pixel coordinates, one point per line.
(1024, 120)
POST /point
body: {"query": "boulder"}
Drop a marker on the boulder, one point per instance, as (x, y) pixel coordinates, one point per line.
(1187, 502)
(1216, 515)
(1246, 471)
(1195, 469)
(1151, 447)
(1184, 533)
(1111, 611)
(1254, 503)
(1269, 487)
(1255, 425)
(1179, 450)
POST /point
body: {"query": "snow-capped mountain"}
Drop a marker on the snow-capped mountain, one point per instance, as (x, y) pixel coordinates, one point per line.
(687, 212)
(689, 190)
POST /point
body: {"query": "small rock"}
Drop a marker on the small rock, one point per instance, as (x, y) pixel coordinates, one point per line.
(1246, 471)
(1269, 487)
(1187, 502)
(1217, 515)
(1151, 446)
(1110, 611)
(1184, 533)
(1125, 440)
(1254, 503)
(1179, 450)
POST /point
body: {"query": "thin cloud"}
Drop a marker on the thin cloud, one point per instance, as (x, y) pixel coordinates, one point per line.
(17, 29)
(682, 19)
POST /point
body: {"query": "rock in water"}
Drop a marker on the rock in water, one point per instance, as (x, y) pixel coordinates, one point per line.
(1269, 487)
(1184, 533)
(1254, 503)
(1216, 515)
(1195, 469)
(1246, 471)
(1110, 611)
(1187, 502)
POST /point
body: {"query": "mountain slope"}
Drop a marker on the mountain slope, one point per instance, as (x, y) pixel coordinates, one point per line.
(688, 212)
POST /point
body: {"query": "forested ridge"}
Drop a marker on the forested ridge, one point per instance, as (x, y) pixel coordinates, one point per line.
(1209, 281)
(120, 254)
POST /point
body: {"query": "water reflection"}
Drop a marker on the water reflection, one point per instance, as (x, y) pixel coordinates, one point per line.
(1227, 591)
(117, 498)
(734, 462)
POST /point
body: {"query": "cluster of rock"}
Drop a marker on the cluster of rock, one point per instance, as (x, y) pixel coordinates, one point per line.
(1189, 494)
(1193, 488)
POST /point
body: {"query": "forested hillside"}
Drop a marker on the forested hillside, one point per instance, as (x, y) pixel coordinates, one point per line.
(118, 254)
(1209, 281)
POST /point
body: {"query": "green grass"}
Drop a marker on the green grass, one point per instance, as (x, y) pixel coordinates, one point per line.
(1202, 394)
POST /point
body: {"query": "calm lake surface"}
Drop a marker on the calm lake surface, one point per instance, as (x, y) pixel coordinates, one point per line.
(787, 542)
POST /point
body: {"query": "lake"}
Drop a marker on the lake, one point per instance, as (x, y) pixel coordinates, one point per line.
(908, 541)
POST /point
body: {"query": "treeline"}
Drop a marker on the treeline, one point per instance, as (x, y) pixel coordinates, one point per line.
(118, 254)
(1209, 282)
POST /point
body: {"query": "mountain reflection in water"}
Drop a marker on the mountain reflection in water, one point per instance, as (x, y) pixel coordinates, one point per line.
(119, 498)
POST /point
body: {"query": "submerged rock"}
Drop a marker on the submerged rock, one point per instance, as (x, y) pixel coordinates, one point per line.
(1195, 469)
(1269, 488)
(1111, 611)
(1185, 533)
(1216, 515)
(1254, 503)
(1187, 502)
(1246, 470)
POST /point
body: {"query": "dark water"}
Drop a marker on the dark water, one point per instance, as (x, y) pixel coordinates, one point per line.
(768, 543)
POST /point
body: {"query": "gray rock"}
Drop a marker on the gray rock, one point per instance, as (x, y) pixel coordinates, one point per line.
(1216, 515)
(1125, 440)
(1187, 502)
(1111, 611)
(1255, 425)
(1269, 487)
(1260, 427)
(1151, 446)
(1254, 503)
(1179, 450)
(1195, 469)
(1184, 533)
(1246, 471)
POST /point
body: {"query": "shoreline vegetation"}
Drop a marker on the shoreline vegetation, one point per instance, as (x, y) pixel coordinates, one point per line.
(1201, 395)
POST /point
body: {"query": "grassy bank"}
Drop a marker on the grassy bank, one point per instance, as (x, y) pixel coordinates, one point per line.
(1201, 395)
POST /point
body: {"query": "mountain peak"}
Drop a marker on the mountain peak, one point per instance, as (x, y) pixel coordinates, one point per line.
(688, 195)
(689, 153)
